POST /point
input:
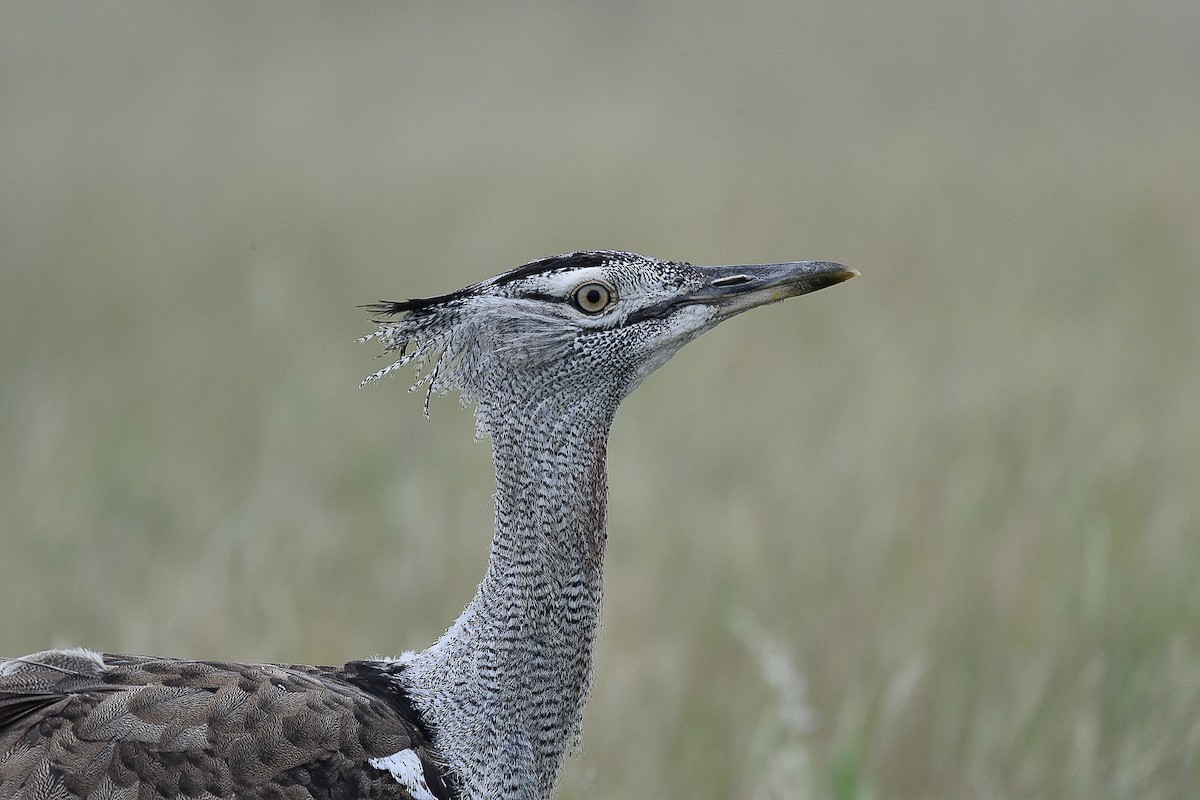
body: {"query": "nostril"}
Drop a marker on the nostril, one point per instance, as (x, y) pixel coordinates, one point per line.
(732, 280)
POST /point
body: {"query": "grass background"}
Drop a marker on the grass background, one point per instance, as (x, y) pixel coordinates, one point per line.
(933, 533)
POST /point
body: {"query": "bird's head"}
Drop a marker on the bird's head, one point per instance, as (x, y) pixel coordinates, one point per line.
(574, 329)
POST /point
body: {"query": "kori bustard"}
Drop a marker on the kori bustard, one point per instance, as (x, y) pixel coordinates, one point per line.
(546, 352)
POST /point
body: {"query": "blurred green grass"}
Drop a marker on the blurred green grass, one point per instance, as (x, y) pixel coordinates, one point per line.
(953, 500)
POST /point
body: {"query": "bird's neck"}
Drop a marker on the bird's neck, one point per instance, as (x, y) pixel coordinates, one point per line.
(504, 687)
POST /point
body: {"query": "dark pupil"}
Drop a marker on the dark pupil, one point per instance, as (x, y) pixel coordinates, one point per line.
(593, 296)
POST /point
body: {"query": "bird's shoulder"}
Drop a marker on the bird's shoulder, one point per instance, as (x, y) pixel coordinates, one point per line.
(75, 724)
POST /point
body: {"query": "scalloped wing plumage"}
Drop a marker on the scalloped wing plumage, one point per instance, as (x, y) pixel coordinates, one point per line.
(74, 725)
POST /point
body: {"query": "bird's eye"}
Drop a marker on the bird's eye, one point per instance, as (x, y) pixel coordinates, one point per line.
(592, 298)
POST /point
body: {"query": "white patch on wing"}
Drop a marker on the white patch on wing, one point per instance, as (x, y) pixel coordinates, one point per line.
(84, 654)
(406, 768)
(73, 660)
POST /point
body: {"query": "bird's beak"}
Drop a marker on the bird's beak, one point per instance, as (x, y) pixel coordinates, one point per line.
(738, 288)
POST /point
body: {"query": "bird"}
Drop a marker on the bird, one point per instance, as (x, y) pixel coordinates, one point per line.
(545, 353)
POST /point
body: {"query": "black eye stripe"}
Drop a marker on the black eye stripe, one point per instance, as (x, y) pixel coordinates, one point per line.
(586, 298)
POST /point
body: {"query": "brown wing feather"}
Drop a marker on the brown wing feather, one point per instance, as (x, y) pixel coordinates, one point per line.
(77, 725)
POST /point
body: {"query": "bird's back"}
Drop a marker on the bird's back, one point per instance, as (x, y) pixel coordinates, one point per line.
(75, 724)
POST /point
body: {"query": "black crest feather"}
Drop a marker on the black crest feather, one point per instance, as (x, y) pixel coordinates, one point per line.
(393, 307)
(578, 260)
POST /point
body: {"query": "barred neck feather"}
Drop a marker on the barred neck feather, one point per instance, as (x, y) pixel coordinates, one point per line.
(504, 688)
